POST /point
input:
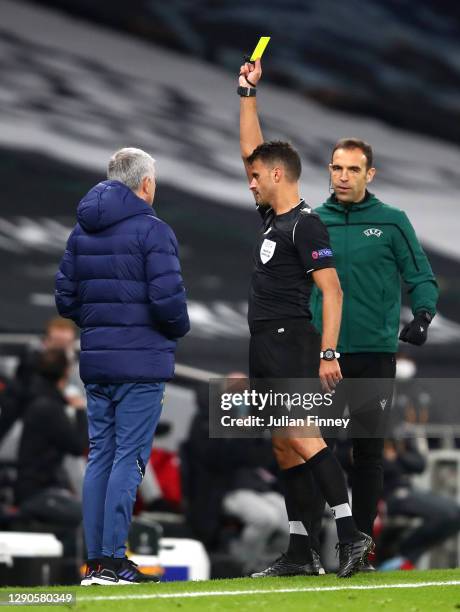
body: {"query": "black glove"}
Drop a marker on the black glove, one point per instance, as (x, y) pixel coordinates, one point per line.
(416, 331)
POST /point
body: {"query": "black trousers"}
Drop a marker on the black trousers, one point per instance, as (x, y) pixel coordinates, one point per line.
(369, 403)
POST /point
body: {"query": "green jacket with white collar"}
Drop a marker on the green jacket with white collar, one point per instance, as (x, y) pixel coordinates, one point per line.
(374, 246)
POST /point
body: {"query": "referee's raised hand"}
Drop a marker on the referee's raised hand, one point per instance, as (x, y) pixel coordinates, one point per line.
(250, 74)
(329, 374)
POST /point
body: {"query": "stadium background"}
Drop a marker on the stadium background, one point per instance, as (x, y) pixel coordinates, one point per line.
(79, 79)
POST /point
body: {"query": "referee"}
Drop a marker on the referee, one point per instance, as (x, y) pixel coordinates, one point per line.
(292, 254)
(375, 245)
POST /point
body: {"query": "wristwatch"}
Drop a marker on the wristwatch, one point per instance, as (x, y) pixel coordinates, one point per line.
(246, 92)
(329, 354)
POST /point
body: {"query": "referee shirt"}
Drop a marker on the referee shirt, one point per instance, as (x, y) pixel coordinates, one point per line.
(289, 247)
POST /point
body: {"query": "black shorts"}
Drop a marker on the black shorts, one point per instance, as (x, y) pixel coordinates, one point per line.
(284, 359)
(286, 348)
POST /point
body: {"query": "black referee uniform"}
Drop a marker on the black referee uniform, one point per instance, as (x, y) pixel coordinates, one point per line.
(284, 343)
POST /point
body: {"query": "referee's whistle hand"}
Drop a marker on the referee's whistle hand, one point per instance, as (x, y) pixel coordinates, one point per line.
(329, 374)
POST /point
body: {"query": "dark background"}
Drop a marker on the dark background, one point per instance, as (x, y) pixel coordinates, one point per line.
(394, 62)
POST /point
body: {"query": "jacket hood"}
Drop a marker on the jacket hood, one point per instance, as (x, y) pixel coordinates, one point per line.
(107, 203)
(369, 200)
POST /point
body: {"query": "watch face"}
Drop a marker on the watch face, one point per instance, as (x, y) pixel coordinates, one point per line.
(329, 354)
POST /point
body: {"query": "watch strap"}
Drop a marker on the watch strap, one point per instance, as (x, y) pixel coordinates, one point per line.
(246, 92)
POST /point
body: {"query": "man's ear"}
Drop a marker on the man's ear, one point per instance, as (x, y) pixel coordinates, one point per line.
(277, 173)
(370, 175)
(145, 184)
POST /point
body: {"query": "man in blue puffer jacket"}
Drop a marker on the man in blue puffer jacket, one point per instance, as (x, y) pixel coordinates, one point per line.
(120, 281)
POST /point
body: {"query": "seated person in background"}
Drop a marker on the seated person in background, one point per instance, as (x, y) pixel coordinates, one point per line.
(42, 490)
(160, 489)
(253, 500)
(440, 515)
(229, 477)
(59, 334)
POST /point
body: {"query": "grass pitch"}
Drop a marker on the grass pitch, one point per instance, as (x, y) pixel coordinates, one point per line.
(390, 591)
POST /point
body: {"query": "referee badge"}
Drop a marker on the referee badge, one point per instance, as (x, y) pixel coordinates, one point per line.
(266, 250)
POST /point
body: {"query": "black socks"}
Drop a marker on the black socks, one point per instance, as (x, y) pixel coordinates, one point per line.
(297, 506)
(331, 481)
(305, 486)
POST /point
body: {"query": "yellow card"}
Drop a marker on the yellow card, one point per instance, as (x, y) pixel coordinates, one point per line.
(260, 48)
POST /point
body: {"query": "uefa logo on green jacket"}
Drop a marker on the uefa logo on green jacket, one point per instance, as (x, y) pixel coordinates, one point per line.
(373, 231)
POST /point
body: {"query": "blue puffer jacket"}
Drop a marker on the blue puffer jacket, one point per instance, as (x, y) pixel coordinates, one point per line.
(120, 281)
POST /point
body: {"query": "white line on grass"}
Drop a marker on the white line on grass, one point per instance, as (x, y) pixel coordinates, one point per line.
(351, 587)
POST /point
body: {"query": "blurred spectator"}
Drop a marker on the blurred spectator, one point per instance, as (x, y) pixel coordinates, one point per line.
(59, 334)
(412, 401)
(440, 515)
(233, 479)
(160, 489)
(412, 405)
(10, 407)
(43, 491)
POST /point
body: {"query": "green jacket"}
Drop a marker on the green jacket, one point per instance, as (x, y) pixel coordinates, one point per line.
(374, 245)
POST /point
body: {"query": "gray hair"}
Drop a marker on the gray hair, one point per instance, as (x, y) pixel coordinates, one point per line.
(130, 166)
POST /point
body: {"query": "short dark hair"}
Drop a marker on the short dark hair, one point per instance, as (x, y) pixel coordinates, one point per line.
(355, 143)
(277, 151)
(52, 364)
